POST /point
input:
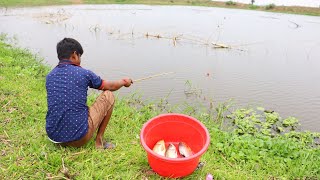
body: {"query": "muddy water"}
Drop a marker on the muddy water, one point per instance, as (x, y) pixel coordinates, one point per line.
(273, 60)
(303, 3)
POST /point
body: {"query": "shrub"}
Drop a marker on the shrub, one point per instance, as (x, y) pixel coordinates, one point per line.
(230, 3)
(270, 6)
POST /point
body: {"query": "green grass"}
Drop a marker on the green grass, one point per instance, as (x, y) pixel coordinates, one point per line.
(7, 3)
(230, 4)
(241, 153)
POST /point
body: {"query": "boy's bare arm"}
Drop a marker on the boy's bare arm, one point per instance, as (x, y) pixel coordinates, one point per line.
(115, 85)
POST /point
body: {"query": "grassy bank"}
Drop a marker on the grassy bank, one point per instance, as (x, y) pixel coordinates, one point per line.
(245, 152)
(230, 4)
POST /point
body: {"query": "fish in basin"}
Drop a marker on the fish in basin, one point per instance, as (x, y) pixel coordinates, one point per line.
(160, 148)
(171, 151)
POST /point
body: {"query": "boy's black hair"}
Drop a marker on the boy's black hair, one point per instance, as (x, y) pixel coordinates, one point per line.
(67, 46)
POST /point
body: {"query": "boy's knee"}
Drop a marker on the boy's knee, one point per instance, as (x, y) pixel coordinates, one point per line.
(109, 97)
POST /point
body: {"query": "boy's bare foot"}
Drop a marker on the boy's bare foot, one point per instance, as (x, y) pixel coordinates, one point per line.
(99, 143)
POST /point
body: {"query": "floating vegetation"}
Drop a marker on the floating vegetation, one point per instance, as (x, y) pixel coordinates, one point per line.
(295, 24)
(95, 28)
(61, 16)
(175, 39)
(215, 45)
(53, 18)
(180, 38)
(191, 90)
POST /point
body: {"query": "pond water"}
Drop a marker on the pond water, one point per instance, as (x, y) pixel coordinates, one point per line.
(303, 3)
(273, 60)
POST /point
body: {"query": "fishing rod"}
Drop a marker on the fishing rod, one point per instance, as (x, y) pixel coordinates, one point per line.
(153, 76)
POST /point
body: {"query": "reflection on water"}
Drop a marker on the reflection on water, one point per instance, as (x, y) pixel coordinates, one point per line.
(264, 59)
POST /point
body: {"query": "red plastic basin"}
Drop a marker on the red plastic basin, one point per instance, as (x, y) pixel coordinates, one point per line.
(174, 128)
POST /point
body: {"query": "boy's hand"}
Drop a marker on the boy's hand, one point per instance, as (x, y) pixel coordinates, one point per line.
(127, 82)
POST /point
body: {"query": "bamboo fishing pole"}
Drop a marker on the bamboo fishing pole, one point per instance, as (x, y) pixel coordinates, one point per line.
(149, 77)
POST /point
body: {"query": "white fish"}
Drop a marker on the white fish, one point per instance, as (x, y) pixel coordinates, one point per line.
(184, 150)
(160, 148)
(171, 151)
